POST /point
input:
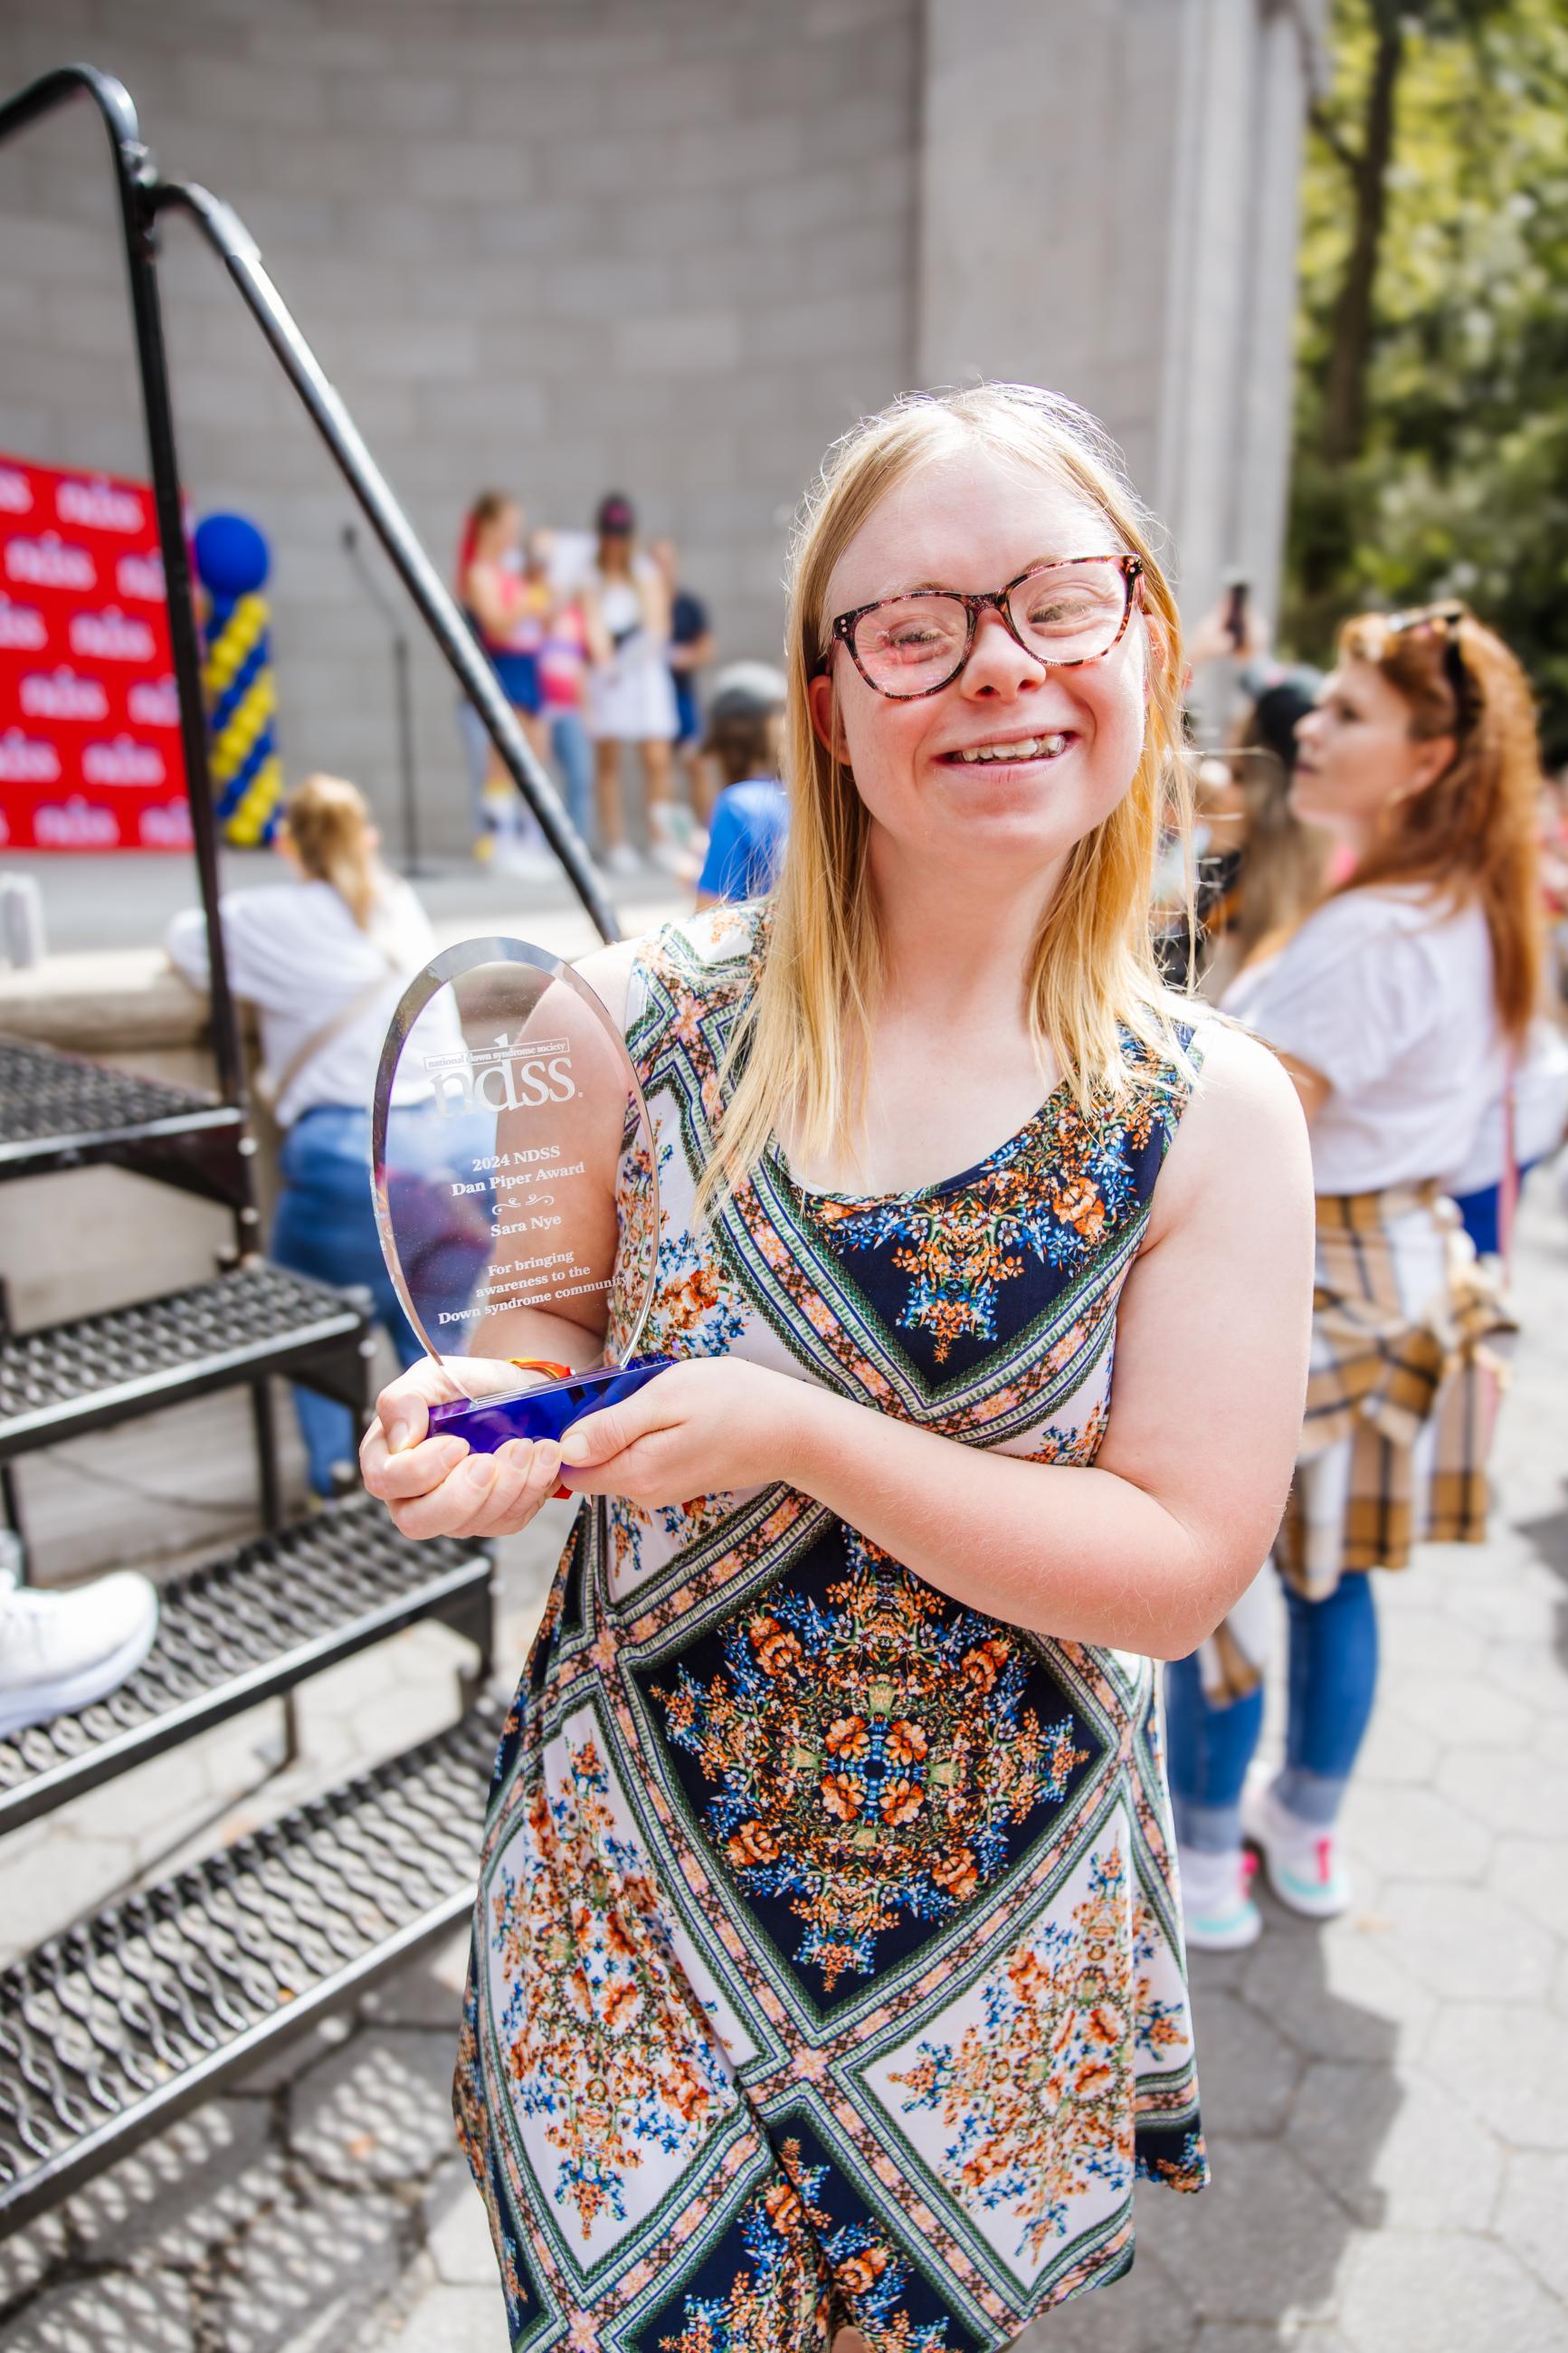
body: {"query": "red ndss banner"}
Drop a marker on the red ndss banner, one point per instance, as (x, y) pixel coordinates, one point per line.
(89, 720)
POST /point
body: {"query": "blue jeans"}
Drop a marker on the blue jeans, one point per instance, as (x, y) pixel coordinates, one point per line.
(1332, 1679)
(325, 1227)
(575, 757)
(1482, 1212)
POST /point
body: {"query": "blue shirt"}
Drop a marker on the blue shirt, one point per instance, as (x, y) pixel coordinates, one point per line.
(746, 840)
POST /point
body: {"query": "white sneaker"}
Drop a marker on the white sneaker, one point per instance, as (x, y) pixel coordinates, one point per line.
(672, 860)
(60, 1651)
(622, 859)
(1301, 1860)
(669, 841)
(1217, 1910)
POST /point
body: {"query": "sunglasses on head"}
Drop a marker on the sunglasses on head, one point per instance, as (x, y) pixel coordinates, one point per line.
(1442, 621)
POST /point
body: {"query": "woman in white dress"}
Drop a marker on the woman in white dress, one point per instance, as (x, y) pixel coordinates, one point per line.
(631, 697)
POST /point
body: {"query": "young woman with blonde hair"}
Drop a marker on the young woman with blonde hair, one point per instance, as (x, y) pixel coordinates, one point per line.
(324, 960)
(1399, 1007)
(827, 1971)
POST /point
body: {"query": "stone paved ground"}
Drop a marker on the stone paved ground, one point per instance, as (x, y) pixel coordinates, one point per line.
(1387, 2099)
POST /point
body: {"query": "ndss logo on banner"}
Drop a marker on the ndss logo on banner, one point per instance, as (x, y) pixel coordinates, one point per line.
(89, 720)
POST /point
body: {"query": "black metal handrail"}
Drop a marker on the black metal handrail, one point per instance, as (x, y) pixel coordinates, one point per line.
(229, 238)
(145, 195)
(135, 173)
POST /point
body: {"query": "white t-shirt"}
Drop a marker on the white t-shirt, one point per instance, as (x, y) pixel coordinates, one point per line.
(1540, 1111)
(297, 955)
(1392, 1001)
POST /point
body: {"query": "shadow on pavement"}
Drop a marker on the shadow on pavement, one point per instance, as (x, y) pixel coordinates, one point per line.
(1299, 2095)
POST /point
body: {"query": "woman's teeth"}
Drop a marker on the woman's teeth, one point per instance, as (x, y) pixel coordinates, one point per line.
(1028, 748)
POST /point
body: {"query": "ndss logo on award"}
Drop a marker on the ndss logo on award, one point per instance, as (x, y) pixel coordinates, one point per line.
(502, 1077)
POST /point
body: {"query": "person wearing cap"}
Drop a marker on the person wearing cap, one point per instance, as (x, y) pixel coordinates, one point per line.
(631, 696)
(750, 816)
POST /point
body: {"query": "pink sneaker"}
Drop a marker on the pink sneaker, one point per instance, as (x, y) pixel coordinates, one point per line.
(1300, 1859)
(1217, 1910)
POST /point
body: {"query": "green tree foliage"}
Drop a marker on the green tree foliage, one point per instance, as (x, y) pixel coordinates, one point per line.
(1431, 452)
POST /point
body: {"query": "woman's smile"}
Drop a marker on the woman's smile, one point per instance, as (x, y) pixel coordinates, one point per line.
(1010, 751)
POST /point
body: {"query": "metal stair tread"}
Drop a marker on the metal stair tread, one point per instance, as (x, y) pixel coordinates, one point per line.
(112, 2029)
(53, 1102)
(132, 1359)
(242, 1627)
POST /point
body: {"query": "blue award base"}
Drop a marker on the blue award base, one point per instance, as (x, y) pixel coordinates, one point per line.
(547, 1411)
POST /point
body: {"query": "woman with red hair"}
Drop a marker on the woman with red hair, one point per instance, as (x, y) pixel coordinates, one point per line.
(507, 607)
(1399, 1007)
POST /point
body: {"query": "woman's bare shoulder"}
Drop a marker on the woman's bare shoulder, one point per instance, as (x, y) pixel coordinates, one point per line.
(1243, 1126)
(705, 948)
(608, 973)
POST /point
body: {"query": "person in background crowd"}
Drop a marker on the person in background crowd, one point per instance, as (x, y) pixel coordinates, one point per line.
(898, 1737)
(1395, 1007)
(691, 648)
(1258, 869)
(750, 817)
(506, 608)
(631, 695)
(1554, 879)
(565, 654)
(324, 961)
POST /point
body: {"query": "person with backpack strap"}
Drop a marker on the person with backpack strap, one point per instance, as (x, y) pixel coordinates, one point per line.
(324, 959)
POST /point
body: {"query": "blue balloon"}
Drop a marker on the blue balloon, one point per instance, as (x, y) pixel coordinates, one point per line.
(231, 556)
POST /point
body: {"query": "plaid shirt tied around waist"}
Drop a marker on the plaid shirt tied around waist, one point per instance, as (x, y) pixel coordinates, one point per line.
(1409, 1338)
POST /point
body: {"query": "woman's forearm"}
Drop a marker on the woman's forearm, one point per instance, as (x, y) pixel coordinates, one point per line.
(1080, 1554)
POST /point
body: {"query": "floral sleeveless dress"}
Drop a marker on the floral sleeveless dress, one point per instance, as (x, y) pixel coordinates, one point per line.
(828, 1963)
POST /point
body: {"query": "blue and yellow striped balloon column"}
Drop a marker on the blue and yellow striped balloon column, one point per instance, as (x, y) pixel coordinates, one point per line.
(232, 563)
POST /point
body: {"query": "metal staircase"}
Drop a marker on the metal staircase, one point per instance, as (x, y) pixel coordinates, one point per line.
(243, 1628)
(109, 2029)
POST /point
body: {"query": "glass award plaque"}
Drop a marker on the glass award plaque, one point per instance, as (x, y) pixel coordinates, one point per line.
(516, 1191)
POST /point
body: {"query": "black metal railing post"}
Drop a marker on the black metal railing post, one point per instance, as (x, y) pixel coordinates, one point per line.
(229, 238)
(136, 179)
(144, 196)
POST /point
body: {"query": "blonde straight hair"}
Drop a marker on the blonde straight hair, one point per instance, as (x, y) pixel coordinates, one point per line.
(798, 1053)
(329, 824)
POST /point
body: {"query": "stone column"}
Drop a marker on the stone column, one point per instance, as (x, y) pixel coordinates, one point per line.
(1109, 206)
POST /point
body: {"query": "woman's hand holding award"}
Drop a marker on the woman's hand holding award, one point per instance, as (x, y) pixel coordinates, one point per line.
(516, 1191)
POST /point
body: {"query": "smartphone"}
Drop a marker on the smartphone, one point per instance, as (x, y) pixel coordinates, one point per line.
(1235, 613)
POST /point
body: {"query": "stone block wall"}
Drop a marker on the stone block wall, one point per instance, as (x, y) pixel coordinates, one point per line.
(673, 247)
(665, 246)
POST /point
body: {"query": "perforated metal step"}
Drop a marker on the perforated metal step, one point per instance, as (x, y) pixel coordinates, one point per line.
(66, 1379)
(60, 1111)
(108, 2032)
(242, 1629)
